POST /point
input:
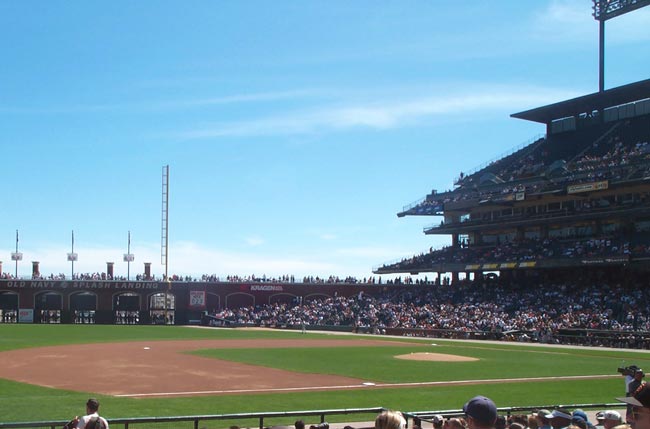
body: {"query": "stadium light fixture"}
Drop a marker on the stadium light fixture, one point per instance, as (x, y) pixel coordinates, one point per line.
(16, 256)
(128, 258)
(72, 257)
(604, 10)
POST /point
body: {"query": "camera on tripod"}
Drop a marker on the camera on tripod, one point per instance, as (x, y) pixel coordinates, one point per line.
(629, 370)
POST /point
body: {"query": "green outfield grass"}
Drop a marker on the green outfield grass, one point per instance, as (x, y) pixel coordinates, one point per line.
(21, 402)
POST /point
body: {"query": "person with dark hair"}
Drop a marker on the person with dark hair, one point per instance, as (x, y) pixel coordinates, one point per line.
(299, 424)
(92, 419)
(559, 418)
(455, 423)
(542, 421)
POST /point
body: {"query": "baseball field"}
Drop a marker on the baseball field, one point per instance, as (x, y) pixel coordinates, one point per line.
(48, 371)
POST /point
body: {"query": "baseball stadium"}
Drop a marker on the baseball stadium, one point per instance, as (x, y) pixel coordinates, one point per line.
(541, 302)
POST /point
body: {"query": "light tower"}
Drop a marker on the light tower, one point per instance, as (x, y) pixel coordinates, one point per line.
(164, 236)
(72, 256)
(16, 256)
(128, 258)
(604, 10)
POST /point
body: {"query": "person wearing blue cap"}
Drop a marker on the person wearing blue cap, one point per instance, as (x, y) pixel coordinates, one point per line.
(578, 413)
(480, 413)
(581, 419)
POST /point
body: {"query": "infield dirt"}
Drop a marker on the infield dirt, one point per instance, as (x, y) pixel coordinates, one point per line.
(163, 368)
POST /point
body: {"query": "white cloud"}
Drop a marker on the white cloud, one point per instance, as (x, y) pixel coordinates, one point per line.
(328, 237)
(188, 258)
(384, 114)
(149, 105)
(53, 260)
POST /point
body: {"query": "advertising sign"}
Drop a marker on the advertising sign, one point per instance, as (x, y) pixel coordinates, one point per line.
(197, 298)
(25, 315)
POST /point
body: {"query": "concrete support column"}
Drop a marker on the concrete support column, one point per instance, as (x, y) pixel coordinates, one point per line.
(147, 270)
(35, 270)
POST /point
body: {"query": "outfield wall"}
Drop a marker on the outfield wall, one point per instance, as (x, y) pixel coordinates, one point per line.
(101, 301)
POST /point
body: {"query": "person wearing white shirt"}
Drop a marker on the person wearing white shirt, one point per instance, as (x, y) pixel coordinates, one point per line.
(92, 419)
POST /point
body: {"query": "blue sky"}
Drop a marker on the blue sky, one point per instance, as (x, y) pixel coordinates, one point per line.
(294, 131)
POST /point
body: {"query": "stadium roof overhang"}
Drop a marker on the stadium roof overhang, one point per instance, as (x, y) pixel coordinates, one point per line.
(597, 101)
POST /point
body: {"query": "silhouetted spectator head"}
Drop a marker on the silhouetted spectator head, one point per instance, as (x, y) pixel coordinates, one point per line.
(481, 412)
(560, 418)
(92, 404)
(500, 423)
(541, 418)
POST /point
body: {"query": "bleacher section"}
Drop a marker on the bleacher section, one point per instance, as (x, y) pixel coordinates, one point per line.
(587, 180)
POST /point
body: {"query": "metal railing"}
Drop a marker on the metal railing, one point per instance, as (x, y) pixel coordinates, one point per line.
(503, 155)
(208, 421)
(204, 421)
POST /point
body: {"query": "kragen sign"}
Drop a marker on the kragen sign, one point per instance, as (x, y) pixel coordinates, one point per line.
(587, 187)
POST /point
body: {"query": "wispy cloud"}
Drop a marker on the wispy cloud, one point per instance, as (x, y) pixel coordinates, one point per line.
(188, 258)
(167, 105)
(383, 114)
(238, 98)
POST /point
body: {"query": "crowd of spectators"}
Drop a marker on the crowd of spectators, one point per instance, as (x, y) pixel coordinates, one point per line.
(287, 278)
(539, 312)
(618, 157)
(619, 154)
(332, 279)
(521, 251)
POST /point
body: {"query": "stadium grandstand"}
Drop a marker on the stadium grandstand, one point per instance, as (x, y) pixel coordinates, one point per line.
(573, 204)
(578, 198)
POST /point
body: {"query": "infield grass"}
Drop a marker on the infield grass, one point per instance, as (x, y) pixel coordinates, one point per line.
(22, 402)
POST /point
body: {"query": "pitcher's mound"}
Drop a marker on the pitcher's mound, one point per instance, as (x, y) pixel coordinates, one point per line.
(436, 357)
